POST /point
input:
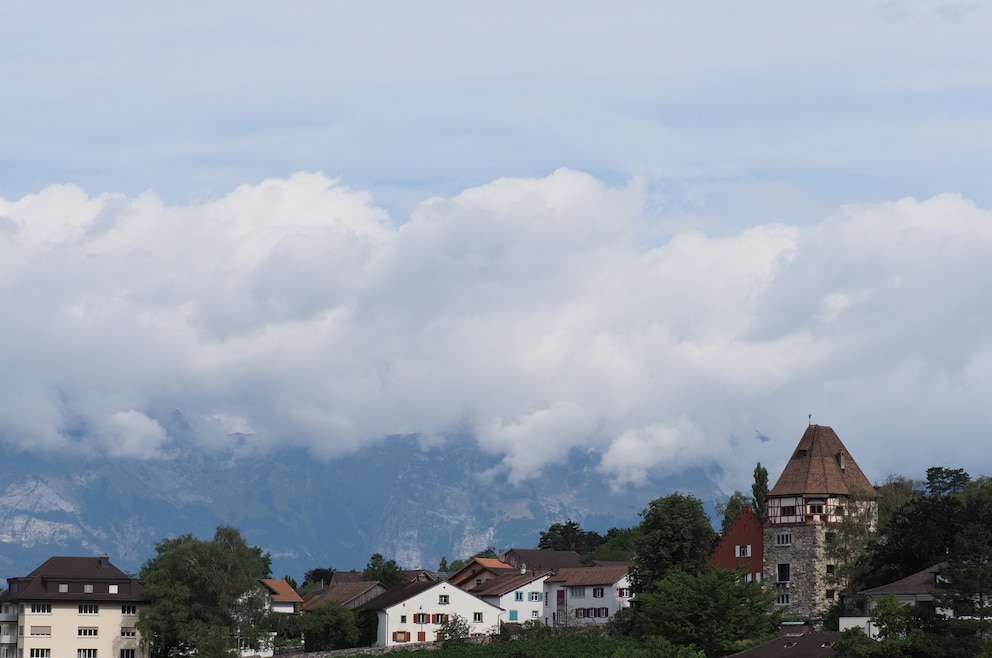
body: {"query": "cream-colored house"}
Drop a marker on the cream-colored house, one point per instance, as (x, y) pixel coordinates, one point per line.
(72, 606)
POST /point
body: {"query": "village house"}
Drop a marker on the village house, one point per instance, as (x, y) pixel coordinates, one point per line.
(520, 595)
(742, 545)
(283, 598)
(919, 589)
(417, 612)
(479, 570)
(82, 606)
(349, 594)
(586, 595)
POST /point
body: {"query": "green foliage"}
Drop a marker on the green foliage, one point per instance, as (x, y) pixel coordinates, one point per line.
(319, 576)
(329, 626)
(290, 581)
(385, 571)
(443, 564)
(456, 628)
(893, 495)
(574, 646)
(368, 627)
(569, 536)
(618, 545)
(966, 581)
(759, 491)
(945, 481)
(731, 509)
(714, 610)
(848, 541)
(205, 596)
(674, 534)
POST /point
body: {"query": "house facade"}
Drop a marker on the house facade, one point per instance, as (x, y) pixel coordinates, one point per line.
(520, 596)
(920, 590)
(72, 606)
(586, 595)
(821, 492)
(282, 597)
(417, 612)
(743, 545)
(479, 570)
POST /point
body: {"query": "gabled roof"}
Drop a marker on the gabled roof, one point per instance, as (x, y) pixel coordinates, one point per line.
(281, 591)
(921, 582)
(507, 582)
(583, 576)
(342, 593)
(821, 466)
(398, 594)
(78, 568)
(541, 560)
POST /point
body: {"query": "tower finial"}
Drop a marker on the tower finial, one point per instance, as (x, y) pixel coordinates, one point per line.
(811, 419)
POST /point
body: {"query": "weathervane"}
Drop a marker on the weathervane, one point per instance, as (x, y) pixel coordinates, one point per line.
(811, 419)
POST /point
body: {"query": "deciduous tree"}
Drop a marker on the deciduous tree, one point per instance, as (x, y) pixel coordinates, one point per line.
(206, 598)
(674, 534)
(329, 626)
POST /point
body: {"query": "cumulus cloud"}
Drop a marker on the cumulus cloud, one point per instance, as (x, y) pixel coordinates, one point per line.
(538, 316)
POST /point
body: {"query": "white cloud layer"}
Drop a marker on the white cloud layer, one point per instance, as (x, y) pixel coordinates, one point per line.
(544, 315)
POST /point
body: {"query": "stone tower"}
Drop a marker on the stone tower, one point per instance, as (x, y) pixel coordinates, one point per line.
(821, 492)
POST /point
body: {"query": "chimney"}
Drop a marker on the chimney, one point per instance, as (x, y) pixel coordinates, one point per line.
(840, 460)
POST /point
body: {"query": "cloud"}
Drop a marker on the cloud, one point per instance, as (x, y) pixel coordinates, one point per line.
(537, 315)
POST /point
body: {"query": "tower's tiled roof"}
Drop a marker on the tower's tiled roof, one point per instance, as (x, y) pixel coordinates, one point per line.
(821, 465)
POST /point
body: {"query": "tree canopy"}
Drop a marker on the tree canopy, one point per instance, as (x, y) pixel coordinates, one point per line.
(759, 491)
(674, 534)
(569, 536)
(385, 571)
(205, 596)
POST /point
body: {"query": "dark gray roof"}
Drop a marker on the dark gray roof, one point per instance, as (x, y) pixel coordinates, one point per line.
(809, 645)
(504, 583)
(398, 594)
(921, 582)
(75, 575)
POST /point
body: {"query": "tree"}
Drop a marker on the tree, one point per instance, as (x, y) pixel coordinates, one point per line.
(329, 626)
(731, 509)
(617, 546)
(386, 572)
(205, 597)
(674, 533)
(456, 628)
(291, 581)
(848, 541)
(443, 564)
(944, 481)
(714, 610)
(569, 536)
(319, 576)
(759, 491)
(966, 577)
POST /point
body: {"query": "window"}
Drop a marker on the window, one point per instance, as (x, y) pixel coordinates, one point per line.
(41, 653)
(788, 510)
(831, 536)
(477, 617)
(536, 596)
(439, 619)
(597, 592)
(442, 599)
(578, 592)
(87, 589)
(602, 612)
(63, 587)
(84, 631)
(534, 614)
(89, 609)
(41, 608)
(623, 592)
(839, 510)
(421, 618)
(127, 653)
(519, 596)
(128, 631)
(85, 653)
(742, 550)
(783, 539)
(784, 573)
(830, 569)
(41, 631)
(478, 581)
(830, 594)
(398, 636)
(112, 589)
(129, 609)
(513, 615)
(782, 598)
(402, 619)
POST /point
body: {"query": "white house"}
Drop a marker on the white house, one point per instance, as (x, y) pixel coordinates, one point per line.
(588, 595)
(919, 590)
(519, 595)
(282, 597)
(416, 612)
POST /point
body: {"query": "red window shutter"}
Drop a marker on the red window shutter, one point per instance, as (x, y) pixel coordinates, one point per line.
(434, 619)
(394, 636)
(421, 636)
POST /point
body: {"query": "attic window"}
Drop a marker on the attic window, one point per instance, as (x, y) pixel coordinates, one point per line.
(801, 453)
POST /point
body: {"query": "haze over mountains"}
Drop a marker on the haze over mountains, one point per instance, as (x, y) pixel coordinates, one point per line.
(412, 505)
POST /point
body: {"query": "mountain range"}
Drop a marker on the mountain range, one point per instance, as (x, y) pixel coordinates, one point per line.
(411, 503)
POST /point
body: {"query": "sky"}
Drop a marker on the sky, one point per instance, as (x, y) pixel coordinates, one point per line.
(664, 234)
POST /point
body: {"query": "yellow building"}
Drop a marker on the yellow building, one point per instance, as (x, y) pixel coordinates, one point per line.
(82, 607)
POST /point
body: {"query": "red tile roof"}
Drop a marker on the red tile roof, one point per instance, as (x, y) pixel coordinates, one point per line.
(821, 465)
(281, 591)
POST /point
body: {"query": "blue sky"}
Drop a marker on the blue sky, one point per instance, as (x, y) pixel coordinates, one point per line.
(632, 228)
